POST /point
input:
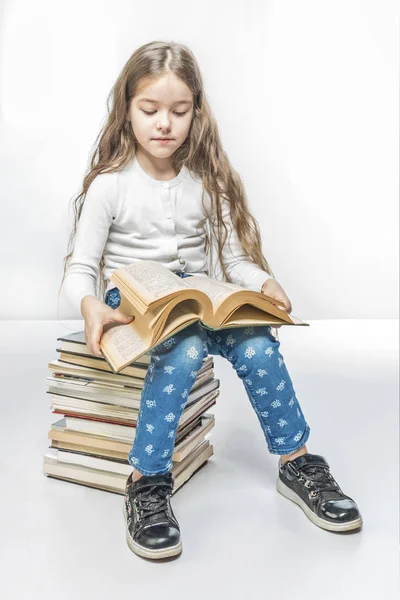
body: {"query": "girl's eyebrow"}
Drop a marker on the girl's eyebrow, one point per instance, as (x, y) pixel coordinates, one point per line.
(156, 101)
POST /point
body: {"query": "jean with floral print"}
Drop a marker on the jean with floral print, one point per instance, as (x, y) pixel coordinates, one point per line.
(253, 353)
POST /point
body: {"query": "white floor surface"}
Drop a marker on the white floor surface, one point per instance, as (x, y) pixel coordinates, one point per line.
(241, 538)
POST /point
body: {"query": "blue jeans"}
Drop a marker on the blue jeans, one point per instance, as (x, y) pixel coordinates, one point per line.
(254, 355)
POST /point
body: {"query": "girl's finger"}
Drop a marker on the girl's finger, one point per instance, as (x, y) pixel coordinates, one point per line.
(95, 342)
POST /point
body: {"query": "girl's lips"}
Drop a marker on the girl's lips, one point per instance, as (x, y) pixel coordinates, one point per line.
(161, 141)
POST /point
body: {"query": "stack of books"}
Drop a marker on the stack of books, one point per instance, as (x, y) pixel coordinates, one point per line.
(99, 409)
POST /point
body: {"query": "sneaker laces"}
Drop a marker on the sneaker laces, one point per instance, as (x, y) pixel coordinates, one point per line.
(153, 502)
(320, 482)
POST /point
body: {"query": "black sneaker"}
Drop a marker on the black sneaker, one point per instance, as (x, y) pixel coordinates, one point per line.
(152, 530)
(307, 481)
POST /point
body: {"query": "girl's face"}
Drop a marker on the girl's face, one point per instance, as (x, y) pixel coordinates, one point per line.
(161, 108)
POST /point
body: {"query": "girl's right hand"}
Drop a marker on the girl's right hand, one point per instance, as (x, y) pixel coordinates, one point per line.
(96, 314)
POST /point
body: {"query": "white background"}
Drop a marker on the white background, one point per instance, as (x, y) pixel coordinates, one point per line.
(306, 97)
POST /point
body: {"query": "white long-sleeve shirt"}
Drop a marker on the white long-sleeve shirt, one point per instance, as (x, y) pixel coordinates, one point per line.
(129, 216)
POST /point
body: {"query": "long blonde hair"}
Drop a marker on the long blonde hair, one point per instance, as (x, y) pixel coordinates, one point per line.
(201, 152)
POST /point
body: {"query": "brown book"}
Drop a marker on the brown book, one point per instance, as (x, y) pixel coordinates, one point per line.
(117, 413)
(64, 371)
(101, 392)
(90, 448)
(183, 446)
(61, 433)
(75, 344)
(163, 304)
(100, 364)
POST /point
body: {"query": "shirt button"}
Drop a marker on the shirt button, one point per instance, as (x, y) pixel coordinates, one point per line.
(168, 215)
(164, 185)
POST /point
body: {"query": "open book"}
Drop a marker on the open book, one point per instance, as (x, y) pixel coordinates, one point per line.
(163, 304)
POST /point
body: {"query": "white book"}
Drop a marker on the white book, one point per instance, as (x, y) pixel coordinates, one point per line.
(115, 482)
(123, 433)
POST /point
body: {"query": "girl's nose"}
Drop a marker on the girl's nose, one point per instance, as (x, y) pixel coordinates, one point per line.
(163, 123)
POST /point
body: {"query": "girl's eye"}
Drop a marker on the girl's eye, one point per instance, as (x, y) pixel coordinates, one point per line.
(152, 113)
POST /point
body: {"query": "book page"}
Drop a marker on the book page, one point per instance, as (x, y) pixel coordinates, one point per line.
(185, 312)
(217, 291)
(186, 308)
(120, 344)
(153, 278)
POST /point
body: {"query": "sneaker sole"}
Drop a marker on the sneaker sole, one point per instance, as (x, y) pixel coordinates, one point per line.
(291, 495)
(145, 552)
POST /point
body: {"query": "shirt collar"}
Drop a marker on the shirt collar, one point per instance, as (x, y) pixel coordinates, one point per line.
(136, 168)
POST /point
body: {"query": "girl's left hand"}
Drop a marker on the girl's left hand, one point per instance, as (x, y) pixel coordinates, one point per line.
(272, 288)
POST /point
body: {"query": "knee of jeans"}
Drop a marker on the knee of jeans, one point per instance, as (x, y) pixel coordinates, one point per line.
(192, 346)
(188, 344)
(261, 341)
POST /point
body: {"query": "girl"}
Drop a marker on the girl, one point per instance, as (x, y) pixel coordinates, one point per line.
(161, 187)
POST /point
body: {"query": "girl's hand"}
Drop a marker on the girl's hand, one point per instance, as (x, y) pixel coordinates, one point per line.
(272, 288)
(96, 314)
